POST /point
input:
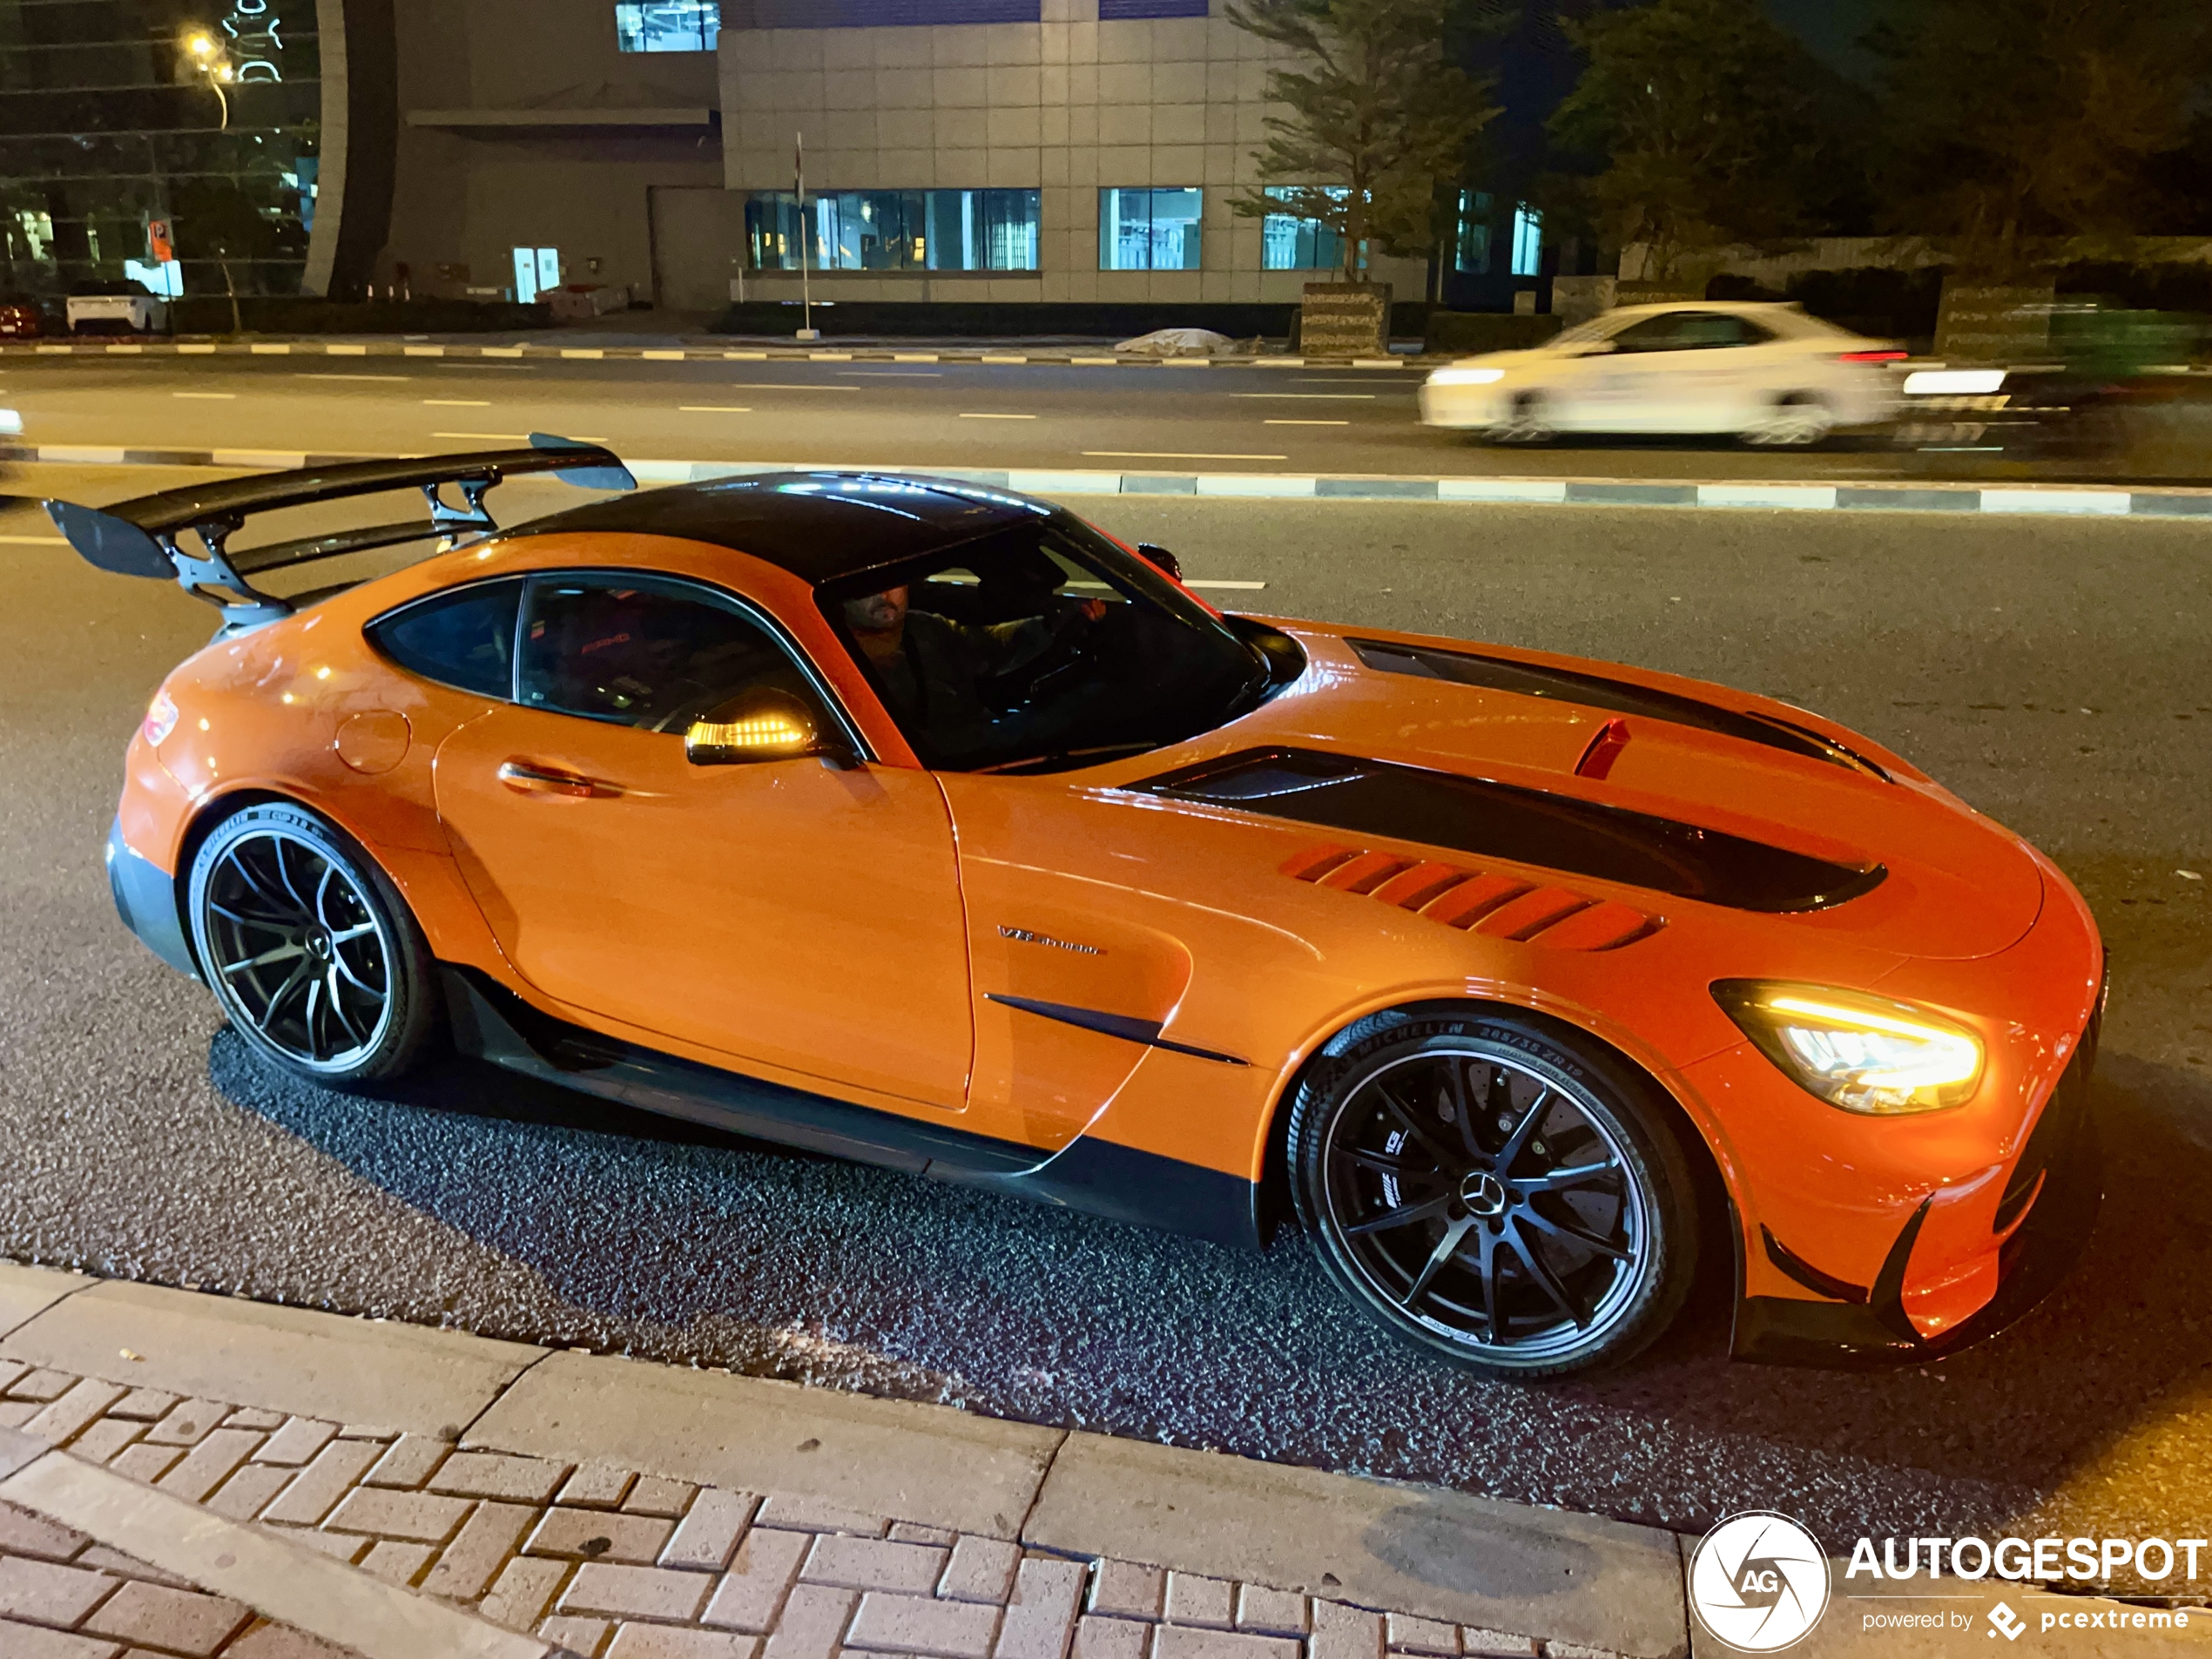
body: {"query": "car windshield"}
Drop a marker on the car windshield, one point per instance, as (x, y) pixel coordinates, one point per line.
(1041, 647)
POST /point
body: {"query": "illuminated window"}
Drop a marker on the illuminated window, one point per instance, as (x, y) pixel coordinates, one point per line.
(667, 25)
(1148, 230)
(1471, 246)
(1289, 243)
(896, 230)
(1527, 242)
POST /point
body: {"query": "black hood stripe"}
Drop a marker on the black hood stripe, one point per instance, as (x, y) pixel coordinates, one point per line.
(1531, 826)
(1598, 691)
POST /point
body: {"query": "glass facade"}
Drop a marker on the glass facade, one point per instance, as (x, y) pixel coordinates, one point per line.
(896, 230)
(667, 25)
(1144, 229)
(1289, 243)
(1527, 242)
(118, 117)
(1471, 245)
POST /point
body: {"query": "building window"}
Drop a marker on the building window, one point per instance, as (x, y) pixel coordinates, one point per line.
(1471, 246)
(1527, 242)
(896, 230)
(667, 25)
(1289, 243)
(1148, 230)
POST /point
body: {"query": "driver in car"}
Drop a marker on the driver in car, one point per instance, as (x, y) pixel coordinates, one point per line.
(934, 670)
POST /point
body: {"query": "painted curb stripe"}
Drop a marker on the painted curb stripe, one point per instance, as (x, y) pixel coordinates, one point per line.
(278, 1579)
(1783, 497)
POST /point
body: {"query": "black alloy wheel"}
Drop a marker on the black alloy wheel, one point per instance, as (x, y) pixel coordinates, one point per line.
(1491, 1192)
(311, 955)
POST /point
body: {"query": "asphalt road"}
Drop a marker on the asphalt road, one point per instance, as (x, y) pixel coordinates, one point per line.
(2052, 672)
(1119, 419)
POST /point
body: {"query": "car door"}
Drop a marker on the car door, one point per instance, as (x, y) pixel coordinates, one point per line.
(791, 915)
(1683, 370)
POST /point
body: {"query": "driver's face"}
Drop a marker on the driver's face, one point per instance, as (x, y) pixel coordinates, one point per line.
(877, 613)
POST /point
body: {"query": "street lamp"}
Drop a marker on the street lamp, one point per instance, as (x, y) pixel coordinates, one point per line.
(209, 58)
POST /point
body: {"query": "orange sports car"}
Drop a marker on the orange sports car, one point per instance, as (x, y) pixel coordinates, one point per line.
(921, 822)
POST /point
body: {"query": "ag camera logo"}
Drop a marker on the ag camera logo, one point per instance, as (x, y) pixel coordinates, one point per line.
(1758, 1581)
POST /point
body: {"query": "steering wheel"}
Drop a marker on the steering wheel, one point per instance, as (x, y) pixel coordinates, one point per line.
(1073, 647)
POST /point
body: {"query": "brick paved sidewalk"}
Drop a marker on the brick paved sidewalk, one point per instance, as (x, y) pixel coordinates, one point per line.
(605, 1560)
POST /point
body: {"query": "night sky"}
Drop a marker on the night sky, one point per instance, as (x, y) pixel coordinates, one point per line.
(1830, 27)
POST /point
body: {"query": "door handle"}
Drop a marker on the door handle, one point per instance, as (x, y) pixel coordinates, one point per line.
(528, 778)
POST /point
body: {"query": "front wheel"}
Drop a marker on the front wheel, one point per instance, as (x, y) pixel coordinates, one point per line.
(1528, 421)
(309, 949)
(1798, 421)
(1495, 1192)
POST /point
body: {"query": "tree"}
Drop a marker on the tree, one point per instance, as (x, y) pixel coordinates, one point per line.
(1709, 121)
(1379, 119)
(2028, 132)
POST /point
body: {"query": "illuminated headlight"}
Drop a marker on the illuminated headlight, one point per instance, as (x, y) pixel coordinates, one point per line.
(1864, 1054)
(11, 423)
(1467, 376)
(161, 718)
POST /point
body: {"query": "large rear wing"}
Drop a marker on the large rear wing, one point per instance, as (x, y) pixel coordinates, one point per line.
(145, 536)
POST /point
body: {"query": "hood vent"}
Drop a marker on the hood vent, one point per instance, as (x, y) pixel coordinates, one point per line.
(1486, 819)
(1496, 906)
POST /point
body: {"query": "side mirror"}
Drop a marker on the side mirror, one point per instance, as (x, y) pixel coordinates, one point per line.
(1161, 557)
(762, 725)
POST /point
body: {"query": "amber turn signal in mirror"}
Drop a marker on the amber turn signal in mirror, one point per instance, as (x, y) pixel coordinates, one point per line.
(761, 726)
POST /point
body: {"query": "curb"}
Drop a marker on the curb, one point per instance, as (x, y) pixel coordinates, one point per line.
(2070, 500)
(686, 354)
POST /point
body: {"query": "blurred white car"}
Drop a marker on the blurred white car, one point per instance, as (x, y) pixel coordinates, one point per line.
(1770, 373)
(125, 310)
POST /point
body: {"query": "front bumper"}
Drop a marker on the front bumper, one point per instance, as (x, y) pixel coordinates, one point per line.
(2051, 1200)
(146, 897)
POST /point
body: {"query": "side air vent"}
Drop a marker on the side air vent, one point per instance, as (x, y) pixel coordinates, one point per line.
(1497, 906)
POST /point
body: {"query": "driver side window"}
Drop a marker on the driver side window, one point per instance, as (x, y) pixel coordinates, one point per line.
(645, 652)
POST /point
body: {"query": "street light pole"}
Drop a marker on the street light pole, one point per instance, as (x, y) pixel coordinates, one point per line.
(799, 185)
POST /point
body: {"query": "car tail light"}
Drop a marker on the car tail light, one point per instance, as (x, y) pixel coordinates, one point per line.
(161, 718)
(1885, 356)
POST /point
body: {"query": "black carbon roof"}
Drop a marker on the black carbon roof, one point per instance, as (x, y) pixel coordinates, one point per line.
(820, 526)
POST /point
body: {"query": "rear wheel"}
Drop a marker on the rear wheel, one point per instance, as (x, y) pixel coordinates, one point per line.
(1495, 1192)
(1798, 421)
(309, 949)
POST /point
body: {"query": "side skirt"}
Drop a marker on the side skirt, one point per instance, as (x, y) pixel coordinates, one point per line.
(1098, 1176)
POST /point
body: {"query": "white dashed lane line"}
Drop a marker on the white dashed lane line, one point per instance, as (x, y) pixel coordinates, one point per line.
(973, 414)
(1169, 455)
(212, 397)
(1305, 423)
(1326, 397)
(713, 408)
(457, 403)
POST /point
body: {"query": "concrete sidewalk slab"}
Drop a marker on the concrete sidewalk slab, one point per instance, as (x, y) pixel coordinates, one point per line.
(27, 1292)
(289, 1360)
(883, 1457)
(1440, 1554)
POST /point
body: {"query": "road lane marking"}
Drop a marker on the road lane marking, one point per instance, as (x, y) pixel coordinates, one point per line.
(971, 414)
(1288, 422)
(1241, 587)
(895, 373)
(662, 356)
(784, 386)
(457, 403)
(1326, 397)
(324, 375)
(34, 541)
(223, 396)
(510, 437)
(713, 408)
(1170, 454)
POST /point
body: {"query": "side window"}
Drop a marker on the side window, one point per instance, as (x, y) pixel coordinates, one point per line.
(645, 651)
(464, 640)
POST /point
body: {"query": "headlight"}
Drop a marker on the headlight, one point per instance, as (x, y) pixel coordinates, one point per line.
(11, 424)
(1467, 376)
(1864, 1054)
(161, 718)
